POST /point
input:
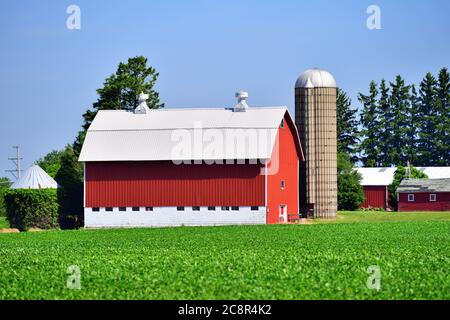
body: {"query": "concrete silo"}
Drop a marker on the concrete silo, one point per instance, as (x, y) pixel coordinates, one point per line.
(315, 117)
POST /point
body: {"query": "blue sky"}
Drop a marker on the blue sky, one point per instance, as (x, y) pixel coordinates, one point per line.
(204, 52)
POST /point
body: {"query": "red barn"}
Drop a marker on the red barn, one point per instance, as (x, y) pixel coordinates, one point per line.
(424, 195)
(173, 167)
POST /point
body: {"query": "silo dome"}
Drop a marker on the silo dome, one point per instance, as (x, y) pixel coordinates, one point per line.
(315, 78)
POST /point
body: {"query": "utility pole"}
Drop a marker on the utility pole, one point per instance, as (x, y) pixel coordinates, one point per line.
(16, 160)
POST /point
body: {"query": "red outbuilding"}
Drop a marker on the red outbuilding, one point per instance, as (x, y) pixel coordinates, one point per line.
(173, 167)
(375, 183)
(424, 195)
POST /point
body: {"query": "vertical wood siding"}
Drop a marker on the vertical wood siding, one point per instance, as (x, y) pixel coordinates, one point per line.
(422, 202)
(374, 197)
(162, 183)
(286, 157)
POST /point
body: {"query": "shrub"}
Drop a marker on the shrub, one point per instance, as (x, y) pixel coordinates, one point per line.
(32, 208)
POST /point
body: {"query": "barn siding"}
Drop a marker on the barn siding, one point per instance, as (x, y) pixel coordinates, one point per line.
(374, 197)
(284, 164)
(164, 184)
(422, 202)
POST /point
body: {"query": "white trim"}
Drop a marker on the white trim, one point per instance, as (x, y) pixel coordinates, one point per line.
(169, 216)
(265, 182)
(282, 213)
(411, 199)
(84, 184)
(386, 192)
(435, 197)
(298, 186)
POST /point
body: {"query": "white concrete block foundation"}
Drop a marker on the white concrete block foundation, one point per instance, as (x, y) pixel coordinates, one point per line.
(171, 217)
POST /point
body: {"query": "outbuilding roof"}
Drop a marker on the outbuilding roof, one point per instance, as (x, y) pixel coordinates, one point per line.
(35, 178)
(117, 135)
(383, 176)
(424, 185)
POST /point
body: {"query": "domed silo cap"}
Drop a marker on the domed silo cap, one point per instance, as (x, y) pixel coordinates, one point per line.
(315, 78)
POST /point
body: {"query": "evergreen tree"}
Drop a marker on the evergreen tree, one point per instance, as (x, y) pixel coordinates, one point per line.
(428, 119)
(411, 126)
(369, 147)
(442, 141)
(399, 101)
(385, 127)
(347, 125)
(120, 92)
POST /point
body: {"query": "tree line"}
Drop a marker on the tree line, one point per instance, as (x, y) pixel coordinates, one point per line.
(398, 123)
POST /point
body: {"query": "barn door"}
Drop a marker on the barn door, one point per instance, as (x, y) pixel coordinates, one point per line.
(283, 213)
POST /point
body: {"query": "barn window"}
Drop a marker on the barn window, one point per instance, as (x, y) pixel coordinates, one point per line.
(135, 209)
(282, 123)
(96, 209)
(254, 208)
(282, 184)
(122, 209)
(235, 208)
(148, 208)
(225, 208)
(180, 208)
(109, 209)
(195, 208)
(211, 208)
(432, 197)
(411, 197)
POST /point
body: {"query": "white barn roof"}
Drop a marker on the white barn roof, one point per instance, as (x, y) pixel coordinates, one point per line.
(385, 176)
(117, 135)
(35, 178)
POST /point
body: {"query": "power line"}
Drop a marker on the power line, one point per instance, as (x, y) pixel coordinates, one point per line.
(16, 160)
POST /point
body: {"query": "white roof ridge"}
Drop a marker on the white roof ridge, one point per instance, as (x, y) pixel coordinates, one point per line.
(199, 108)
(181, 128)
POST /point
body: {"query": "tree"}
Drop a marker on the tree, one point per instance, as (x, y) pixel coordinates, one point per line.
(428, 118)
(399, 175)
(442, 140)
(4, 185)
(70, 192)
(350, 191)
(120, 92)
(412, 123)
(384, 129)
(347, 125)
(369, 122)
(51, 162)
(399, 101)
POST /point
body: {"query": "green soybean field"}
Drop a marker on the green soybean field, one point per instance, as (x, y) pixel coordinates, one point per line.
(384, 259)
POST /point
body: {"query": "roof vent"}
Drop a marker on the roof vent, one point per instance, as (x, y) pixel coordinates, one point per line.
(142, 108)
(242, 103)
